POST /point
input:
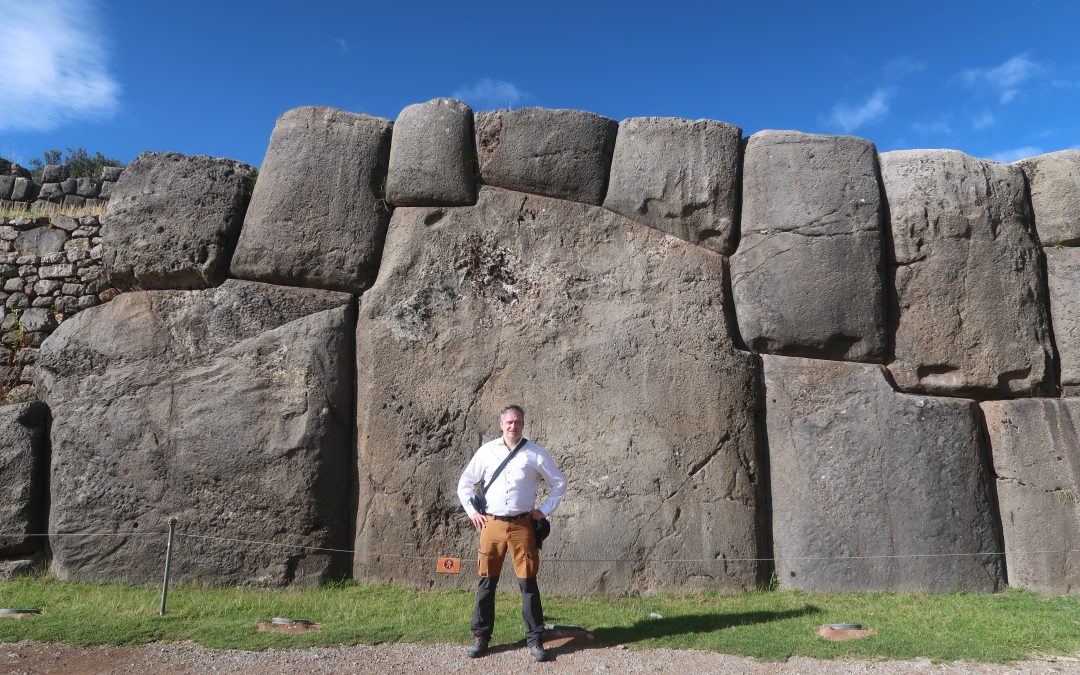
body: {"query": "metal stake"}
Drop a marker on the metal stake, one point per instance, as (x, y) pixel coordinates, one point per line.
(168, 562)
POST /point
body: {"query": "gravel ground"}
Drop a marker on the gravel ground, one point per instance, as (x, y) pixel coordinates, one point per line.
(185, 657)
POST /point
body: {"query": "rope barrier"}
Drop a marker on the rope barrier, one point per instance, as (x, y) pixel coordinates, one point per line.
(399, 556)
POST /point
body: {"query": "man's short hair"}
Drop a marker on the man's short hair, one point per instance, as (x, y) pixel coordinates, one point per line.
(512, 406)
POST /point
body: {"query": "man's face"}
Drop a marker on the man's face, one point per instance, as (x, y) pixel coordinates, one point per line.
(511, 423)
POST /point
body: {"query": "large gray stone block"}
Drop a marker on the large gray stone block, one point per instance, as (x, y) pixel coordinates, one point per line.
(318, 214)
(23, 477)
(807, 278)
(873, 490)
(1054, 182)
(7, 186)
(40, 241)
(1037, 459)
(679, 176)
(613, 336)
(228, 408)
(557, 153)
(1063, 277)
(54, 173)
(432, 155)
(173, 220)
(971, 316)
(25, 190)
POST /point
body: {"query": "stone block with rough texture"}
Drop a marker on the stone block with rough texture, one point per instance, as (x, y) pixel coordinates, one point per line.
(7, 186)
(1063, 277)
(557, 153)
(1054, 182)
(808, 276)
(863, 476)
(23, 476)
(173, 221)
(318, 214)
(54, 173)
(971, 315)
(613, 337)
(432, 155)
(228, 408)
(1037, 459)
(679, 176)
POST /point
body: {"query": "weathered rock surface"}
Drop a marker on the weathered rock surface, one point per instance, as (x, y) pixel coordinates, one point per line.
(23, 463)
(613, 336)
(318, 214)
(432, 155)
(807, 278)
(1037, 458)
(679, 176)
(25, 566)
(1063, 279)
(558, 153)
(7, 186)
(173, 220)
(860, 470)
(40, 241)
(227, 408)
(1054, 183)
(972, 317)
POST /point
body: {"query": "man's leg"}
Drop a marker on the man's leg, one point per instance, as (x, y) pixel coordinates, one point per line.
(489, 564)
(526, 557)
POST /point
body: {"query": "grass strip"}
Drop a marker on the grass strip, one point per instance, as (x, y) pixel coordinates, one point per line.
(767, 625)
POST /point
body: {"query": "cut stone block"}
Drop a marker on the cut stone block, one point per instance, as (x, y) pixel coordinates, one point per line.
(679, 176)
(7, 185)
(432, 156)
(228, 408)
(23, 475)
(557, 153)
(24, 190)
(173, 221)
(864, 477)
(318, 215)
(1063, 277)
(40, 241)
(613, 337)
(1037, 459)
(1054, 182)
(972, 316)
(807, 278)
(54, 173)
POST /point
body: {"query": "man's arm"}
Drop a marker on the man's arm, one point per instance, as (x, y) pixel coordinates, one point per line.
(556, 482)
(473, 474)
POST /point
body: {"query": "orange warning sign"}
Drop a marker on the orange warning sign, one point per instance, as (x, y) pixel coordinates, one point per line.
(449, 566)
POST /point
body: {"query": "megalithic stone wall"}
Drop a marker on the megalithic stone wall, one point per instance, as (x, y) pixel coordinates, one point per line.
(858, 376)
(19, 191)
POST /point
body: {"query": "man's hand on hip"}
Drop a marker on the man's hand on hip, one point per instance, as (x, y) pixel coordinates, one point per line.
(479, 520)
(537, 514)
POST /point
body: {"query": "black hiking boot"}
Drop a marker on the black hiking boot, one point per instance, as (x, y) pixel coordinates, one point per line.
(479, 647)
(538, 652)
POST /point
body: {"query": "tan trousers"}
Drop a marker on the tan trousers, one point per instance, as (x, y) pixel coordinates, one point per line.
(519, 537)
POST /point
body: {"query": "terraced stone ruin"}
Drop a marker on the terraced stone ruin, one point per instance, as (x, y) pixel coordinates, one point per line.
(783, 354)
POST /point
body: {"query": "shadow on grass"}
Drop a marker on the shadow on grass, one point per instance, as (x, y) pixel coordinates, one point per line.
(648, 629)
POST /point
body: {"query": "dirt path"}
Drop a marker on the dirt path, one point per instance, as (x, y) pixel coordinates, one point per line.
(443, 658)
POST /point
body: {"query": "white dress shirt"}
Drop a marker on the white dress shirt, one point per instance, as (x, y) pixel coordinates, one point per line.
(514, 491)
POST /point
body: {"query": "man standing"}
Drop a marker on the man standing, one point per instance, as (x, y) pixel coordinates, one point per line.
(508, 523)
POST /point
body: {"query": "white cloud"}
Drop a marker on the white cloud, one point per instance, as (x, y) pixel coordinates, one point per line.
(903, 66)
(874, 108)
(940, 126)
(982, 121)
(1005, 78)
(1016, 154)
(487, 94)
(55, 65)
(342, 45)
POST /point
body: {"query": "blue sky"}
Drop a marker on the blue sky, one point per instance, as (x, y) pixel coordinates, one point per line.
(999, 80)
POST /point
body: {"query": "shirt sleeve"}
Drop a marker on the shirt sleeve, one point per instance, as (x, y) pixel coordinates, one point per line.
(473, 474)
(556, 482)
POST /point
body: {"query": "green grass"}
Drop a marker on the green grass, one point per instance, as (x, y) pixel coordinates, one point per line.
(768, 625)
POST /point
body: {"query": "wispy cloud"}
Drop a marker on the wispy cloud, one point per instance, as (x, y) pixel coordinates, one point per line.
(55, 65)
(1005, 79)
(487, 94)
(874, 108)
(1016, 154)
(903, 66)
(940, 126)
(341, 44)
(982, 121)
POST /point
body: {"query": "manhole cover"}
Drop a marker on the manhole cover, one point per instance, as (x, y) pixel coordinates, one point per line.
(18, 613)
(280, 624)
(831, 632)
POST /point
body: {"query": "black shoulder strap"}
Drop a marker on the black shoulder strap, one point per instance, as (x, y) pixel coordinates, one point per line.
(520, 445)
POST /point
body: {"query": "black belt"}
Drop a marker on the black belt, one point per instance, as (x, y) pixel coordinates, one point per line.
(510, 519)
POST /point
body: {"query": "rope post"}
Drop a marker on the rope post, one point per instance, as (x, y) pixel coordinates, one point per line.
(168, 562)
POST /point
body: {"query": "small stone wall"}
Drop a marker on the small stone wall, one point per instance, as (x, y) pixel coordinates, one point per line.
(19, 191)
(50, 269)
